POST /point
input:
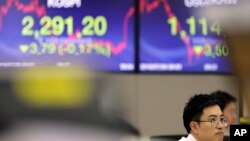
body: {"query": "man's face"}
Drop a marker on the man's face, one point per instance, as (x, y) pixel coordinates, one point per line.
(230, 112)
(205, 131)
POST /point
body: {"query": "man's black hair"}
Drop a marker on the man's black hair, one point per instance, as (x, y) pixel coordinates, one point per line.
(224, 98)
(195, 106)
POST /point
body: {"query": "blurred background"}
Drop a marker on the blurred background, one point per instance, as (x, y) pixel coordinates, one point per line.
(126, 73)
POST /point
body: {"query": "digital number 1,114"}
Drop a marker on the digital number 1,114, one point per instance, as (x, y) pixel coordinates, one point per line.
(191, 21)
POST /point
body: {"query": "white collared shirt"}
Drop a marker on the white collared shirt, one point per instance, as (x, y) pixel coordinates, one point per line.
(190, 137)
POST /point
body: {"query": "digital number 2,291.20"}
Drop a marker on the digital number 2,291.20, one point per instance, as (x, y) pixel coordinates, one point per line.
(57, 25)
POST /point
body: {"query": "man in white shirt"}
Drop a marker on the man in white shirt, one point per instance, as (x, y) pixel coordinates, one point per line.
(203, 119)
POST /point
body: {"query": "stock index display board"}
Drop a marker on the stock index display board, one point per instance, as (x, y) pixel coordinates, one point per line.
(175, 37)
(95, 33)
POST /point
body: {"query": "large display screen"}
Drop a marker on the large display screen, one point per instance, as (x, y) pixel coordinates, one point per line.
(175, 37)
(95, 33)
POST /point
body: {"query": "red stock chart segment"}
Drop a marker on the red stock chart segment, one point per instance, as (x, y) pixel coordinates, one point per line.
(96, 33)
(174, 37)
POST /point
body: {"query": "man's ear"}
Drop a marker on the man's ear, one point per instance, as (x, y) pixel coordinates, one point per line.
(194, 126)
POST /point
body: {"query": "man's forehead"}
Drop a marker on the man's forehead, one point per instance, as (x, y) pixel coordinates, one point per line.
(232, 104)
(212, 111)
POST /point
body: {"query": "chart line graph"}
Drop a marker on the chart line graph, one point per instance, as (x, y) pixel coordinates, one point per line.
(147, 7)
